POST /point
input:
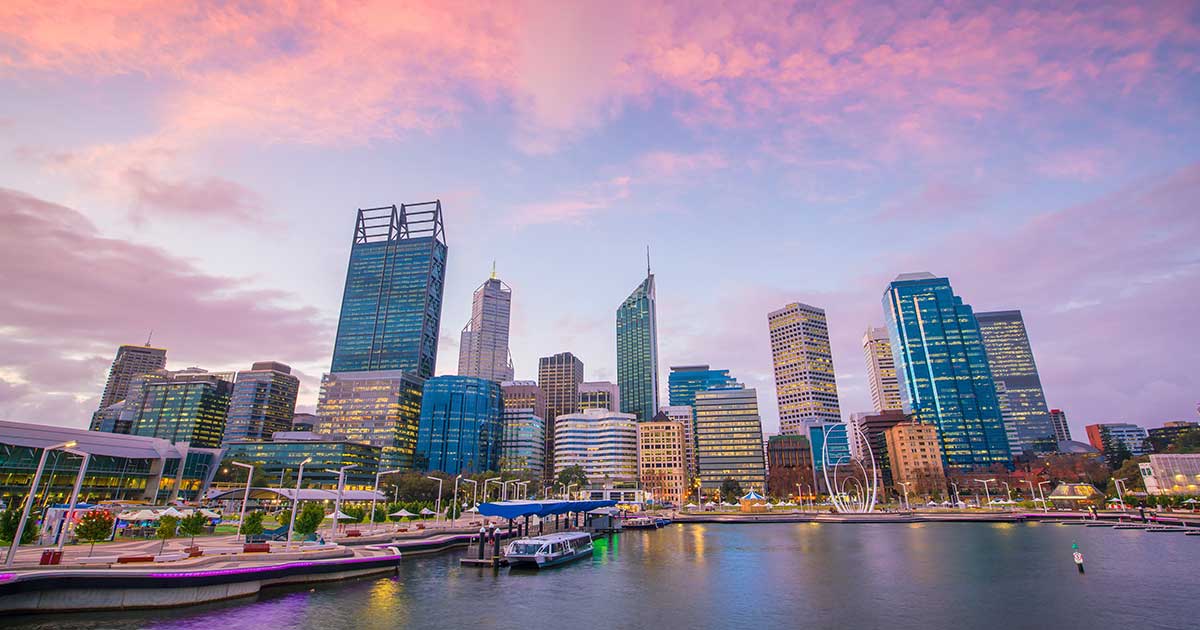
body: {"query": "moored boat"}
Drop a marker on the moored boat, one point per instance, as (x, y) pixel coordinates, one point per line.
(640, 522)
(548, 550)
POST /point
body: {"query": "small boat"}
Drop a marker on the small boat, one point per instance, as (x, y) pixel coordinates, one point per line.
(662, 522)
(640, 522)
(549, 550)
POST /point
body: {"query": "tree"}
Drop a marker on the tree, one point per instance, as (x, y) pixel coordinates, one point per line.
(355, 513)
(309, 518)
(8, 525)
(253, 525)
(1115, 450)
(94, 526)
(381, 514)
(166, 530)
(192, 525)
(1187, 442)
(573, 475)
(1131, 473)
(731, 490)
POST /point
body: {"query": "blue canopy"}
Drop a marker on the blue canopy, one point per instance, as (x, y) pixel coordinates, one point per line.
(516, 509)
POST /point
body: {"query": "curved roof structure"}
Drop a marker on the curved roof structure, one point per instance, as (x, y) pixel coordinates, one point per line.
(516, 509)
(305, 494)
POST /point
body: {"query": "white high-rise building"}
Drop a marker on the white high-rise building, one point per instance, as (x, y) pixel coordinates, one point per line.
(881, 370)
(604, 443)
(483, 347)
(804, 380)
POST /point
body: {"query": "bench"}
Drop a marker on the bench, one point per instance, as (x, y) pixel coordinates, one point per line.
(170, 557)
(221, 551)
(132, 559)
(353, 533)
(98, 560)
(256, 548)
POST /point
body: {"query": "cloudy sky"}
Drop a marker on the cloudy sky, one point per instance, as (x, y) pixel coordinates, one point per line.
(194, 168)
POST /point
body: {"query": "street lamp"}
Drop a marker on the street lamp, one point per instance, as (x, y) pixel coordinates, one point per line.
(375, 493)
(985, 483)
(1118, 483)
(957, 499)
(1007, 490)
(296, 499)
(1032, 494)
(475, 486)
(246, 494)
(37, 478)
(907, 505)
(569, 486)
(438, 506)
(504, 489)
(337, 503)
(1045, 506)
(62, 531)
(495, 480)
(454, 499)
(524, 486)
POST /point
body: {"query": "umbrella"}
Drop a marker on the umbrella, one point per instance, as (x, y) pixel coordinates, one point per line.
(402, 513)
(692, 505)
(341, 516)
(932, 503)
(472, 509)
(946, 503)
(138, 515)
(171, 512)
(209, 513)
(1191, 501)
(710, 504)
(427, 512)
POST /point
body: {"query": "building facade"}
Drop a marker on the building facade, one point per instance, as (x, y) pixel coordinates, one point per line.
(830, 448)
(392, 303)
(916, 459)
(803, 363)
(189, 406)
(637, 351)
(1062, 431)
(381, 408)
(462, 425)
(729, 439)
(684, 415)
(483, 346)
(559, 377)
(881, 370)
(599, 395)
(1105, 436)
(263, 402)
(1010, 358)
(130, 362)
(789, 466)
(279, 459)
(867, 438)
(943, 369)
(1161, 437)
(1172, 475)
(662, 466)
(685, 380)
(603, 443)
(523, 449)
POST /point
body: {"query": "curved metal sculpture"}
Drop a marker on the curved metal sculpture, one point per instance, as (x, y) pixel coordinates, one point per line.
(868, 487)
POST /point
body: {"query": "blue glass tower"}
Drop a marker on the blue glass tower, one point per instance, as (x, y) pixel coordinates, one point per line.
(461, 429)
(637, 351)
(392, 303)
(686, 380)
(941, 360)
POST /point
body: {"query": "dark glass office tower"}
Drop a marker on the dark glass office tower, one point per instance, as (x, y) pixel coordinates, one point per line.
(392, 303)
(637, 351)
(1011, 360)
(942, 363)
(462, 425)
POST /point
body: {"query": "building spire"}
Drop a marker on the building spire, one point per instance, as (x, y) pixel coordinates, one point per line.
(493, 269)
(647, 261)
(149, 337)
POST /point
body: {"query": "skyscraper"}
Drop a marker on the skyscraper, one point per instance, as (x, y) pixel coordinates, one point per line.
(599, 395)
(729, 438)
(881, 370)
(637, 350)
(804, 381)
(392, 303)
(380, 407)
(559, 377)
(523, 449)
(263, 402)
(943, 366)
(483, 346)
(187, 406)
(461, 425)
(1010, 358)
(130, 362)
(1062, 432)
(685, 380)
(604, 443)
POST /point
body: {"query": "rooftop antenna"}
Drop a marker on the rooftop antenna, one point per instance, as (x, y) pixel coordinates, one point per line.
(493, 269)
(647, 261)
(149, 337)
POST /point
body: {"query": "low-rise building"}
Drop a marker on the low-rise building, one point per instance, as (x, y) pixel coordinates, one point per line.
(603, 443)
(662, 469)
(916, 458)
(279, 459)
(1162, 437)
(1105, 437)
(1176, 475)
(789, 466)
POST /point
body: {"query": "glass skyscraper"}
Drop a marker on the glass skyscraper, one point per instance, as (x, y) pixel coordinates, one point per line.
(462, 427)
(130, 363)
(392, 303)
(483, 345)
(685, 380)
(1011, 360)
(559, 377)
(805, 386)
(263, 402)
(381, 408)
(188, 406)
(729, 438)
(942, 363)
(637, 351)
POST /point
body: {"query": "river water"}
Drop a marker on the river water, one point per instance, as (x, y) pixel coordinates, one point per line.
(846, 576)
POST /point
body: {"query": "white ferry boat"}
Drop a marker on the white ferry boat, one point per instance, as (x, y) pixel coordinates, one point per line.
(548, 550)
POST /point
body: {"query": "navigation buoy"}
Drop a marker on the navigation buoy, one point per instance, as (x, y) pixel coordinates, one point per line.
(1077, 556)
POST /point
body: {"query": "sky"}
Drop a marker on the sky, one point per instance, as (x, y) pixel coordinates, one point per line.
(194, 168)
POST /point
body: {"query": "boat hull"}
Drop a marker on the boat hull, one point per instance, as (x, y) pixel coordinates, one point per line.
(530, 562)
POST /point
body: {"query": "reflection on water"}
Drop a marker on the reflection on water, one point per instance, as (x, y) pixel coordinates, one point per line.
(901, 577)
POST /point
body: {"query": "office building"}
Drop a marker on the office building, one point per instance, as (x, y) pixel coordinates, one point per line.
(830, 443)
(603, 443)
(1010, 358)
(684, 415)
(263, 402)
(305, 422)
(662, 468)
(637, 350)
(483, 346)
(1105, 437)
(1172, 475)
(1062, 432)
(130, 362)
(381, 408)
(524, 447)
(599, 395)
(559, 376)
(279, 459)
(1161, 437)
(122, 467)
(916, 459)
(729, 439)
(943, 368)
(685, 380)
(789, 466)
(881, 370)
(392, 303)
(461, 426)
(189, 405)
(804, 381)
(867, 439)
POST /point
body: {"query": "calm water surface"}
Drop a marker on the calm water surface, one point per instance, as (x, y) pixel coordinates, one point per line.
(900, 577)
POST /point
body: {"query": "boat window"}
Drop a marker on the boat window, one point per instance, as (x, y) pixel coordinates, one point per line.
(525, 548)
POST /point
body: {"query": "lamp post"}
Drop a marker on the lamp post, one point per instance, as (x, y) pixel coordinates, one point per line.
(907, 506)
(454, 498)
(296, 500)
(438, 506)
(475, 486)
(985, 483)
(957, 499)
(337, 503)
(495, 480)
(1121, 497)
(800, 495)
(375, 493)
(37, 478)
(62, 531)
(245, 494)
(569, 486)
(504, 489)
(1032, 494)
(1045, 506)
(524, 486)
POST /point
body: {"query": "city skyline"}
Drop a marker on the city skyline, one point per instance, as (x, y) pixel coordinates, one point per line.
(195, 226)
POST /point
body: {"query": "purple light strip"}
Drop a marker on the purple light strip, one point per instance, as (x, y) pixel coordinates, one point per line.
(274, 567)
(7, 576)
